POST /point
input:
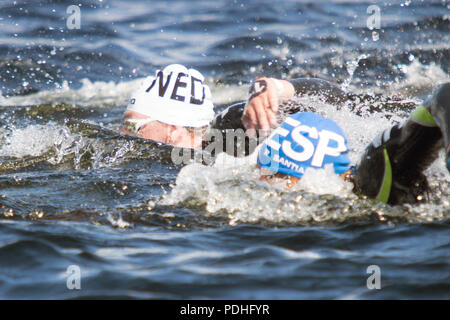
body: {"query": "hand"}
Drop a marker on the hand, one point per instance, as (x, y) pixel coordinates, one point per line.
(260, 113)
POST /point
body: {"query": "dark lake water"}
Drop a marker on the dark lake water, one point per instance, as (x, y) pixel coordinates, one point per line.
(75, 193)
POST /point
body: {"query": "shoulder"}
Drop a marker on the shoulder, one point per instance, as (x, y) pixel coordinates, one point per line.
(230, 118)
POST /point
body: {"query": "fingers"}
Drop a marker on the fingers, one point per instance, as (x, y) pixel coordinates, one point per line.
(262, 115)
(273, 99)
(273, 109)
(262, 108)
(257, 115)
(270, 95)
(249, 120)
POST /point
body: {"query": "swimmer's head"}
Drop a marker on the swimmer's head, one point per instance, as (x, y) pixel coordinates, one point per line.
(175, 96)
(304, 140)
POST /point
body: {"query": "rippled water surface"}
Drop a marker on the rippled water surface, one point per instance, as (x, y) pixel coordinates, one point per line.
(75, 192)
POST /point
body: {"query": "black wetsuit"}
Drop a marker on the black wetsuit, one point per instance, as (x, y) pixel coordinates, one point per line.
(391, 169)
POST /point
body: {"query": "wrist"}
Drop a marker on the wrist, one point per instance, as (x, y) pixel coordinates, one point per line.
(279, 86)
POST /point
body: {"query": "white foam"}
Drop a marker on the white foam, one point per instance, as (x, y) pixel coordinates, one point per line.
(33, 140)
(96, 93)
(227, 94)
(118, 222)
(420, 78)
(103, 94)
(324, 181)
(57, 143)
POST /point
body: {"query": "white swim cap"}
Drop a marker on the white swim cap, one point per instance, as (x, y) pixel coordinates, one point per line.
(175, 96)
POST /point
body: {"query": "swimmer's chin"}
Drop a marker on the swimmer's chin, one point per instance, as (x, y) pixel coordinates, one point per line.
(179, 144)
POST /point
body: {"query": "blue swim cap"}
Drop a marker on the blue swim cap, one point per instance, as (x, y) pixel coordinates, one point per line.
(304, 140)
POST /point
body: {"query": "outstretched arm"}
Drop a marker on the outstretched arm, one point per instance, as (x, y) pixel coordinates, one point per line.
(266, 95)
(263, 103)
(259, 114)
(391, 170)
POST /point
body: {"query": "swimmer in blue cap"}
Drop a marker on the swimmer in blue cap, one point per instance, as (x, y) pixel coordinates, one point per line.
(391, 169)
(304, 140)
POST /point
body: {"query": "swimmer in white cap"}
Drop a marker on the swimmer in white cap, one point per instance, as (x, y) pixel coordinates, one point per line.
(173, 107)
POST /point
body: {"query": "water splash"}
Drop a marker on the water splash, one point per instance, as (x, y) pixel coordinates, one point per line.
(57, 144)
(103, 94)
(34, 140)
(420, 78)
(351, 67)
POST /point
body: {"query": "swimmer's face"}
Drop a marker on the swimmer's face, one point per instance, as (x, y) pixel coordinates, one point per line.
(287, 181)
(178, 136)
(279, 178)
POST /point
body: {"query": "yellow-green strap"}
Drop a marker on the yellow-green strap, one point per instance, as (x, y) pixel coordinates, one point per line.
(422, 116)
(385, 191)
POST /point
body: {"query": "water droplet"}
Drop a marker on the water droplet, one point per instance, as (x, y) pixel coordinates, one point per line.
(375, 36)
